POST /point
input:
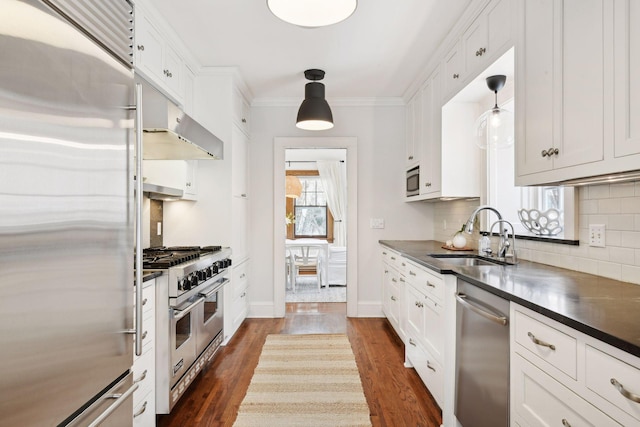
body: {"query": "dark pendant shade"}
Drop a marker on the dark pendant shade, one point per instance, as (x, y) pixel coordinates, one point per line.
(314, 112)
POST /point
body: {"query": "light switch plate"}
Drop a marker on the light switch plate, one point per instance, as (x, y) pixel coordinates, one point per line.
(596, 235)
(376, 222)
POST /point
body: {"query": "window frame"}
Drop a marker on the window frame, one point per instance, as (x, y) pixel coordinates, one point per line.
(290, 210)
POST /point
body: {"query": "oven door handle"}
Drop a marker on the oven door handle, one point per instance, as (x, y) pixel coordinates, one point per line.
(214, 289)
(190, 307)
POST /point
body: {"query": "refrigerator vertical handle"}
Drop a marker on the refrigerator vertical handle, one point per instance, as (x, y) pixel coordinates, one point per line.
(138, 220)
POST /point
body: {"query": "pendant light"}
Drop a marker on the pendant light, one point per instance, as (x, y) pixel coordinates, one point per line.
(314, 112)
(312, 13)
(293, 187)
(494, 128)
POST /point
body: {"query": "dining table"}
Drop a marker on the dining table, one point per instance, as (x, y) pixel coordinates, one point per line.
(304, 244)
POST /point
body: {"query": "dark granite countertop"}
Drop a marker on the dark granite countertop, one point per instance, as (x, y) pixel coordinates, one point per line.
(606, 309)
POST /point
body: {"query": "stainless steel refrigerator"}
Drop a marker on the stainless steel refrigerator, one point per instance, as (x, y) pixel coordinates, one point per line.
(66, 212)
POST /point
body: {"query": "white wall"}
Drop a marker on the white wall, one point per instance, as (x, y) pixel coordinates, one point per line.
(380, 133)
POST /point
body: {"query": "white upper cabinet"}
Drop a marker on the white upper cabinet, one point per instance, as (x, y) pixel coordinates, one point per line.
(430, 163)
(241, 111)
(156, 59)
(413, 130)
(627, 77)
(452, 68)
(560, 85)
(189, 91)
(487, 36)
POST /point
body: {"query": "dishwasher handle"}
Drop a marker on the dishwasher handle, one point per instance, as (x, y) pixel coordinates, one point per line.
(494, 317)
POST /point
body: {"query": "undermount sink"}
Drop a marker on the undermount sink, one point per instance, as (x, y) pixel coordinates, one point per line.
(465, 260)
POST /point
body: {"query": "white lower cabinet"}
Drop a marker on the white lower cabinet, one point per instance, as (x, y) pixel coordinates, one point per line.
(236, 301)
(144, 366)
(393, 283)
(562, 377)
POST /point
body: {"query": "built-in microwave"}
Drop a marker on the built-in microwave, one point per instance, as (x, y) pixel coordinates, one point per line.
(413, 181)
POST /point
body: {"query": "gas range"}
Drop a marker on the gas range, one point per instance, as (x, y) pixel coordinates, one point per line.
(190, 268)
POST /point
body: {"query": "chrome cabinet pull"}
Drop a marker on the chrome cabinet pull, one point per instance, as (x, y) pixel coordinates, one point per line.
(384, 253)
(142, 377)
(550, 152)
(141, 411)
(427, 184)
(410, 157)
(480, 51)
(401, 279)
(462, 299)
(140, 47)
(565, 423)
(394, 280)
(431, 285)
(412, 342)
(404, 265)
(411, 273)
(623, 391)
(393, 258)
(419, 304)
(430, 367)
(540, 342)
(386, 271)
(144, 335)
(393, 298)
(456, 76)
(144, 301)
(244, 120)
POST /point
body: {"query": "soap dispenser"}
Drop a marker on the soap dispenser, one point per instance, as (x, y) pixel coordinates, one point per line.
(484, 243)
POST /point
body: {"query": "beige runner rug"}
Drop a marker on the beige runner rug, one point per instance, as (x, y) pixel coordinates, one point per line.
(305, 380)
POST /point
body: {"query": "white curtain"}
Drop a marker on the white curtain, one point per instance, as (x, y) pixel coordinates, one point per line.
(333, 177)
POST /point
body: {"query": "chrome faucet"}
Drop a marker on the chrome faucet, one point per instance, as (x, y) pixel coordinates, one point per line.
(504, 239)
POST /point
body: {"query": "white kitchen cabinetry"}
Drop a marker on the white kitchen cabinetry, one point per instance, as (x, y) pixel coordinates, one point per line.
(181, 174)
(430, 161)
(568, 81)
(413, 130)
(627, 77)
(189, 88)
(452, 70)
(424, 309)
(156, 59)
(144, 366)
(560, 376)
(241, 111)
(393, 282)
(236, 303)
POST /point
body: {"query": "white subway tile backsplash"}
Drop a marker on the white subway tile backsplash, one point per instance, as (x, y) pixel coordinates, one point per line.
(615, 205)
(599, 191)
(626, 189)
(624, 222)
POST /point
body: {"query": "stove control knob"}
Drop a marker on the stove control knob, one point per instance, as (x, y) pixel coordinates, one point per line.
(181, 284)
(202, 275)
(209, 272)
(194, 280)
(214, 268)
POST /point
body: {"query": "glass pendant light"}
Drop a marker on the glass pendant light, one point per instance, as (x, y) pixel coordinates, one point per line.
(312, 13)
(314, 112)
(494, 128)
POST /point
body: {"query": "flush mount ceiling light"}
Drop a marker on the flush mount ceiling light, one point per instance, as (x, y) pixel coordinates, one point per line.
(314, 112)
(312, 13)
(494, 128)
(293, 187)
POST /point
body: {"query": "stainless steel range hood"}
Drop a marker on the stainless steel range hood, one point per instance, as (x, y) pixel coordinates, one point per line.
(170, 134)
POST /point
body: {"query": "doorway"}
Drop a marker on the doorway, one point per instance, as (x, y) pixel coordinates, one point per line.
(314, 146)
(316, 207)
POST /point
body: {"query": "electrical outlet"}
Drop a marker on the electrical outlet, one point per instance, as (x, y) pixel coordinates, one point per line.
(596, 235)
(376, 223)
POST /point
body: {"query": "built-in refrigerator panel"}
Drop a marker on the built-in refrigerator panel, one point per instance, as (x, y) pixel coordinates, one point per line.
(66, 219)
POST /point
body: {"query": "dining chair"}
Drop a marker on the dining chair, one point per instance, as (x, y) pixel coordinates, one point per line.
(306, 260)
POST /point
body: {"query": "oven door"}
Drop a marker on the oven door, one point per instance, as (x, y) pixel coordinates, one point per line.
(210, 318)
(184, 319)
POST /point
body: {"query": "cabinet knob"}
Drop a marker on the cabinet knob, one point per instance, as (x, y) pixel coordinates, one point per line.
(244, 120)
(410, 157)
(456, 76)
(393, 298)
(550, 152)
(167, 73)
(480, 51)
(243, 195)
(140, 47)
(565, 423)
(427, 184)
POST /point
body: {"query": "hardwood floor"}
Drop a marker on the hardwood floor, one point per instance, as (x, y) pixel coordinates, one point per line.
(396, 395)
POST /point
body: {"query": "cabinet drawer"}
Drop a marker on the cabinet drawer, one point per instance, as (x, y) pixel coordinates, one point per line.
(144, 413)
(542, 401)
(144, 375)
(603, 369)
(547, 343)
(429, 370)
(429, 283)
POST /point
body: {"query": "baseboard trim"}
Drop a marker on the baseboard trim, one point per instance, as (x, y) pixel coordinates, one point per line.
(370, 309)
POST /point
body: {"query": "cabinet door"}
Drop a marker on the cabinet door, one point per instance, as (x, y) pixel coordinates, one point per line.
(172, 71)
(239, 170)
(579, 60)
(452, 71)
(499, 16)
(561, 73)
(239, 228)
(191, 180)
(189, 91)
(475, 44)
(430, 158)
(149, 45)
(433, 330)
(414, 309)
(627, 77)
(413, 130)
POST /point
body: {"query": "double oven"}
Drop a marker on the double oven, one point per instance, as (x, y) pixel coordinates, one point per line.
(189, 314)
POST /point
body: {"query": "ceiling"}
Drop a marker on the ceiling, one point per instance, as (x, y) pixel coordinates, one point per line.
(377, 52)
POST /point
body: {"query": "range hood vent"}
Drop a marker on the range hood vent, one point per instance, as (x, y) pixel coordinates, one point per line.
(170, 134)
(159, 192)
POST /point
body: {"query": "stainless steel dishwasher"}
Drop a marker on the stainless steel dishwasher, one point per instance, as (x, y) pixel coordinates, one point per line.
(482, 358)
